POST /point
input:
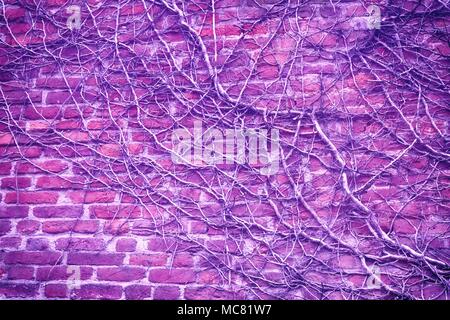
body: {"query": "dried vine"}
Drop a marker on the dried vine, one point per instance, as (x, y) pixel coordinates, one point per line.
(363, 116)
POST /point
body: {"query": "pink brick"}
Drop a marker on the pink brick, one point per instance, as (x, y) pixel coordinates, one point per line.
(149, 260)
(100, 259)
(138, 292)
(54, 166)
(99, 196)
(78, 226)
(16, 183)
(207, 293)
(12, 13)
(12, 290)
(98, 291)
(31, 257)
(56, 290)
(50, 182)
(28, 226)
(5, 168)
(80, 244)
(31, 197)
(125, 245)
(10, 242)
(180, 276)
(121, 273)
(20, 273)
(13, 211)
(62, 273)
(37, 244)
(166, 293)
(58, 211)
(116, 212)
(5, 227)
(183, 259)
(116, 227)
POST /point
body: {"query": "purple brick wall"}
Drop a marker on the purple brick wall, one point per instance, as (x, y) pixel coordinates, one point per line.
(93, 205)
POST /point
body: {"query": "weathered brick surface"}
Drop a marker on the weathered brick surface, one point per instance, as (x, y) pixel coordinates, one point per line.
(92, 205)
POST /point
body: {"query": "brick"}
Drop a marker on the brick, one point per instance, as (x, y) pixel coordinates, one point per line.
(76, 136)
(198, 227)
(39, 113)
(181, 276)
(37, 126)
(56, 3)
(10, 242)
(37, 244)
(78, 226)
(135, 148)
(125, 245)
(121, 273)
(207, 293)
(256, 210)
(54, 273)
(31, 257)
(227, 3)
(13, 211)
(115, 212)
(31, 197)
(5, 227)
(165, 244)
(157, 123)
(48, 182)
(75, 113)
(5, 168)
(26, 151)
(68, 125)
(348, 262)
(226, 30)
(166, 293)
(98, 291)
(6, 138)
(116, 227)
(132, 9)
(12, 13)
(404, 227)
(20, 28)
(79, 244)
(59, 97)
(56, 290)
(267, 72)
(110, 150)
(20, 273)
(12, 290)
(58, 212)
(93, 196)
(54, 166)
(28, 226)
(19, 96)
(183, 260)
(149, 260)
(97, 259)
(16, 183)
(138, 292)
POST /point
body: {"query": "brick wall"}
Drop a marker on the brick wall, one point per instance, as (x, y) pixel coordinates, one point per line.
(92, 205)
